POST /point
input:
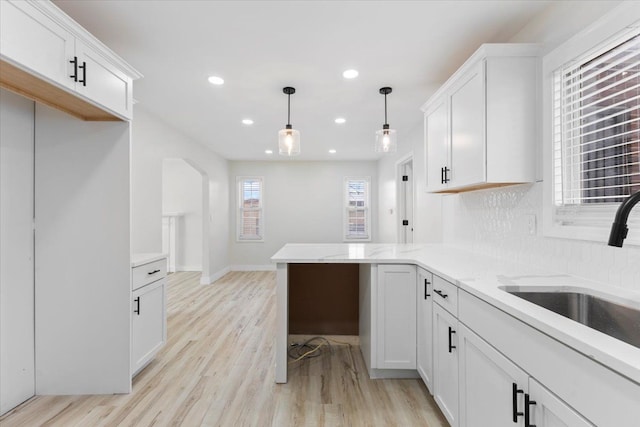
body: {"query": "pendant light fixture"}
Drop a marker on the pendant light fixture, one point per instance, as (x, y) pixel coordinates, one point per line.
(386, 138)
(289, 138)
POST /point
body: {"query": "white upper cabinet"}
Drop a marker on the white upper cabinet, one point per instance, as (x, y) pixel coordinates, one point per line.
(480, 126)
(33, 40)
(48, 57)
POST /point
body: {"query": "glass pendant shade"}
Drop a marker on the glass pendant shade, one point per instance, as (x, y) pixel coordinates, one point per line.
(386, 141)
(288, 138)
(289, 142)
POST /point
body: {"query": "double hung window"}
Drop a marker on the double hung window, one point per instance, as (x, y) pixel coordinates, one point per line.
(357, 210)
(250, 210)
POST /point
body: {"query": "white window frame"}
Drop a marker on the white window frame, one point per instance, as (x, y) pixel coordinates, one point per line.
(239, 210)
(615, 27)
(345, 205)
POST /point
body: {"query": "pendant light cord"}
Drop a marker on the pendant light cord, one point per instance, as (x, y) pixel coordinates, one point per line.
(385, 109)
(289, 109)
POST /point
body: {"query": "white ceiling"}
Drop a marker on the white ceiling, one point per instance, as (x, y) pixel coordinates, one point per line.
(259, 47)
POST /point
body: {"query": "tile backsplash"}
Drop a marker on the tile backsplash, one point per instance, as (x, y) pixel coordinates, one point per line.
(506, 223)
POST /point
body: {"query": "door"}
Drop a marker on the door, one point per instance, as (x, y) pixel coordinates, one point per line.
(30, 38)
(492, 388)
(102, 82)
(148, 323)
(436, 146)
(405, 201)
(396, 323)
(17, 381)
(549, 411)
(425, 327)
(445, 363)
(467, 103)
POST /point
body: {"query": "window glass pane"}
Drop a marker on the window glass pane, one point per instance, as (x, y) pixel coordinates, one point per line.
(357, 201)
(250, 210)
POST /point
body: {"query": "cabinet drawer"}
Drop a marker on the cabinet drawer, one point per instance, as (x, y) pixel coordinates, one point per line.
(446, 294)
(148, 273)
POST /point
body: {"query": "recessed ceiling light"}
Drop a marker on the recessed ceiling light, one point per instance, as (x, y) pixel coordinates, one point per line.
(350, 74)
(268, 151)
(215, 80)
(247, 121)
(340, 120)
(332, 151)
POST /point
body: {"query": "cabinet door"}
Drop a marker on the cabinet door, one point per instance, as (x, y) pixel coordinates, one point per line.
(102, 82)
(445, 363)
(148, 323)
(550, 411)
(33, 41)
(396, 321)
(467, 106)
(424, 296)
(492, 388)
(17, 357)
(436, 146)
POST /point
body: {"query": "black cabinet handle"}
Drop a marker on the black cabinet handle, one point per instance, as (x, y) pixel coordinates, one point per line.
(153, 272)
(441, 175)
(137, 310)
(514, 396)
(442, 294)
(83, 67)
(446, 175)
(527, 414)
(74, 61)
(426, 282)
(451, 332)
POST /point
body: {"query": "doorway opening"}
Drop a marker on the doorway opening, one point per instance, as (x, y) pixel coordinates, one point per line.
(185, 216)
(405, 199)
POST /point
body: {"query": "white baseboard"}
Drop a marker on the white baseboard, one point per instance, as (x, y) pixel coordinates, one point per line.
(215, 276)
(188, 268)
(258, 267)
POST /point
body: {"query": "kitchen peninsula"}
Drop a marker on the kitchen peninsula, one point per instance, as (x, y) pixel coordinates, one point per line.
(555, 360)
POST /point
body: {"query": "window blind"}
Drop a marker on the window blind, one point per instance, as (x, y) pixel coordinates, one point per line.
(357, 201)
(596, 126)
(250, 209)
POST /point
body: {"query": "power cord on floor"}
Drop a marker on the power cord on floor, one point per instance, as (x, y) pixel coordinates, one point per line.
(310, 349)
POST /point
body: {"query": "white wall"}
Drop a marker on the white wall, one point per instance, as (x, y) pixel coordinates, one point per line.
(182, 192)
(152, 142)
(496, 221)
(302, 203)
(427, 207)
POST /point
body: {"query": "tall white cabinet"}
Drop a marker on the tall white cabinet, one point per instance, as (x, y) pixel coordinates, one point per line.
(65, 208)
(17, 358)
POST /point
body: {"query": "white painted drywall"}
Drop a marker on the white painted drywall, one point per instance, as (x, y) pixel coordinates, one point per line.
(182, 192)
(83, 255)
(303, 202)
(17, 358)
(152, 142)
(427, 219)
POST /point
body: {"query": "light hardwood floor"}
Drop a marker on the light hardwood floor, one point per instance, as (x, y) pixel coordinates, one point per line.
(217, 369)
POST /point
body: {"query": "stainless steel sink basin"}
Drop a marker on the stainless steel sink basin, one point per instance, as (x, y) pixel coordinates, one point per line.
(616, 320)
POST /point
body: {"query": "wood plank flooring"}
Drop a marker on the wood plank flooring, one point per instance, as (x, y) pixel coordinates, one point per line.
(217, 369)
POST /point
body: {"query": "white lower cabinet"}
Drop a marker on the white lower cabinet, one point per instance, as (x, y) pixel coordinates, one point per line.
(148, 323)
(396, 317)
(492, 388)
(424, 362)
(547, 410)
(445, 363)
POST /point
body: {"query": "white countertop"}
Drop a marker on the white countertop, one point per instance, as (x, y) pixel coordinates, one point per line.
(145, 258)
(483, 276)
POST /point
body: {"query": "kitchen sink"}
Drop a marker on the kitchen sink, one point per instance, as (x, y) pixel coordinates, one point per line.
(616, 320)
